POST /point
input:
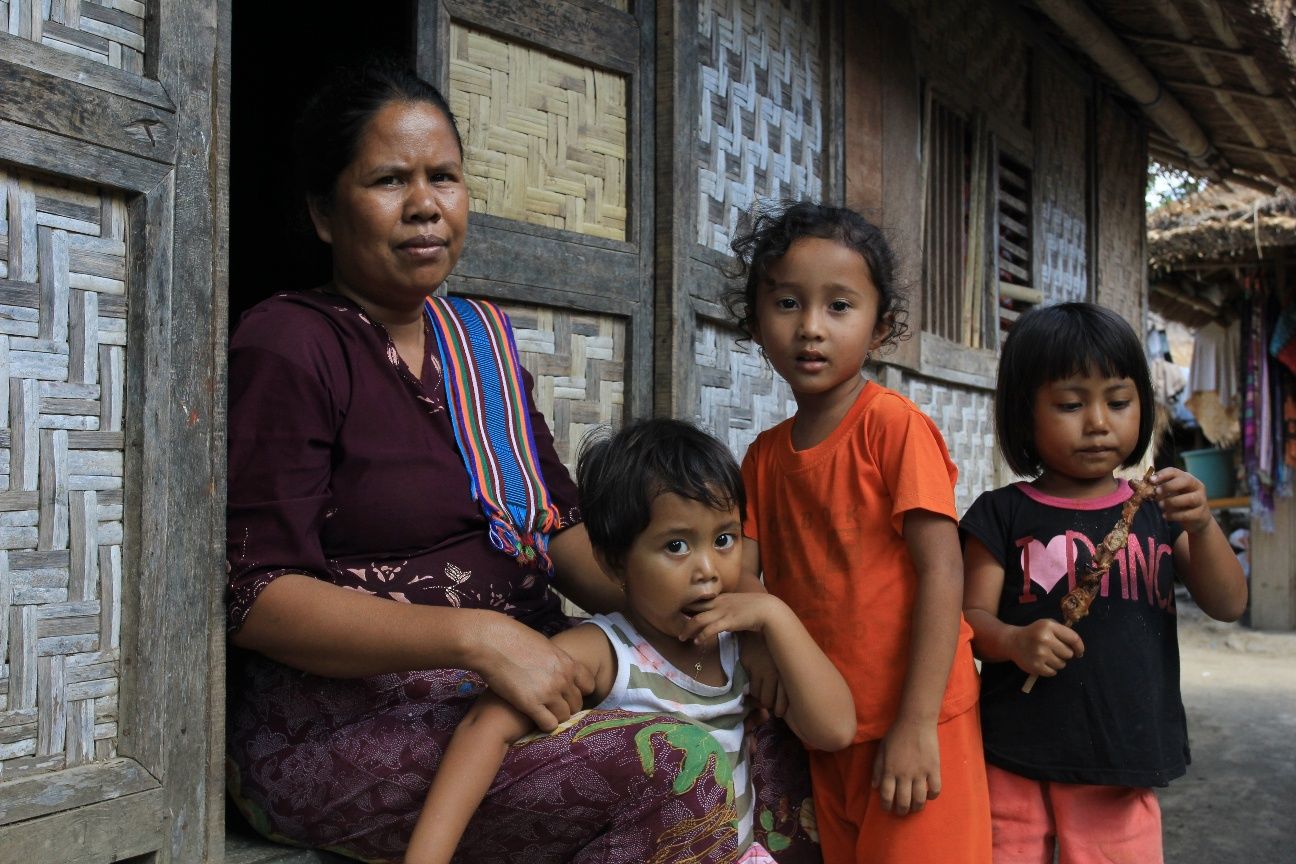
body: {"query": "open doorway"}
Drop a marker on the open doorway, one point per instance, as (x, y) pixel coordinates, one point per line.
(279, 55)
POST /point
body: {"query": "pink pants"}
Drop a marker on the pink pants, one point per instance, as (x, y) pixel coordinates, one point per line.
(1087, 824)
(756, 854)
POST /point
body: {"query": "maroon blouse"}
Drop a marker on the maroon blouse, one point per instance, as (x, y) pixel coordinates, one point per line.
(343, 465)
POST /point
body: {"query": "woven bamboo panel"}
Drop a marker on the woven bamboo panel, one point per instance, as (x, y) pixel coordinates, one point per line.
(623, 5)
(578, 362)
(545, 140)
(106, 31)
(972, 43)
(761, 132)
(965, 418)
(738, 393)
(1122, 176)
(62, 372)
(1061, 237)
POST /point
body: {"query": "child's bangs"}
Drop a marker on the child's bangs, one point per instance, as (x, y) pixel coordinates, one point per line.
(1081, 351)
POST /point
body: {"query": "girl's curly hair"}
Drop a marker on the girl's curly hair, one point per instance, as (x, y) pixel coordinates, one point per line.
(768, 231)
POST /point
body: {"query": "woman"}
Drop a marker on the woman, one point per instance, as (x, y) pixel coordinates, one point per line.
(347, 492)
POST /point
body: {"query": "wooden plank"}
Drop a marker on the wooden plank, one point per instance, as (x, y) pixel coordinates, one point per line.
(1023, 293)
(83, 71)
(111, 830)
(37, 99)
(62, 156)
(45, 794)
(500, 252)
(950, 361)
(586, 31)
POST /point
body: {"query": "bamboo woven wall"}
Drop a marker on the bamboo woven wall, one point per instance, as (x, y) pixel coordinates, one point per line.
(62, 370)
(1060, 177)
(578, 362)
(761, 128)
(110, 32)
(1122, 177)
(545, 139)
(965, 417)
(738, 393)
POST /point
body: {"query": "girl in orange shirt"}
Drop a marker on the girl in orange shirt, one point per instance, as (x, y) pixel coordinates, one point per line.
(851, 522)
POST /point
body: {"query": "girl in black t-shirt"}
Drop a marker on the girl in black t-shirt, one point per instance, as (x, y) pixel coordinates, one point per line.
(1070, 763)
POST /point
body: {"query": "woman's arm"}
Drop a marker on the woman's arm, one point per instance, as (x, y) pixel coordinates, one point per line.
(323, 629)
(477, 749)
(577, 574)
(1203, 556)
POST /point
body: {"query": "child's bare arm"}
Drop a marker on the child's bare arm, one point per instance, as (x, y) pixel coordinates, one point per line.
(820, 709)
(477, 749)
(1202, 553)
(466, 772)
(1042, 648)
(906, 772)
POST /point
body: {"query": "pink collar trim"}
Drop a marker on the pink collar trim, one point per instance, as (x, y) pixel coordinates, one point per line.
(1121, 494)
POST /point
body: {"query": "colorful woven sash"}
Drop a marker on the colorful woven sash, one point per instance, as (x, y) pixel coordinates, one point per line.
(488, 410)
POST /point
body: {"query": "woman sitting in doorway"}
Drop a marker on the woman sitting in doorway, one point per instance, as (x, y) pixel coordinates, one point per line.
(378, 581)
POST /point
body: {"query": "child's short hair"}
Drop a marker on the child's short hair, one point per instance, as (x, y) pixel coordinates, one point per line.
(620, 474)
(769, 231)
(1050, 343)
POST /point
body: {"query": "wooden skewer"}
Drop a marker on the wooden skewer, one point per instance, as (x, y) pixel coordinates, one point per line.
(1075, 605)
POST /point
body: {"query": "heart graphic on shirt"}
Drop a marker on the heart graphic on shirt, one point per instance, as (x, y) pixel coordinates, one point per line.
(1045, 565)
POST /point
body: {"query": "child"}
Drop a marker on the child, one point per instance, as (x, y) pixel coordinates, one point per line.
(1070, 762)
(852, 505)
(664, 507)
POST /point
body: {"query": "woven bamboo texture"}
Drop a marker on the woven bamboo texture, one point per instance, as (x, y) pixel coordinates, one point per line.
(1122, 175)
(578, 362)
(545, 140)
(761, 133)
(1059, 176)
(106, 31)
(62, 368)
(965, 418)
(738, 393)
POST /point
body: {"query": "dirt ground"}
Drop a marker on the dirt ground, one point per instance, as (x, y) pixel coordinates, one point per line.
(1237, 802)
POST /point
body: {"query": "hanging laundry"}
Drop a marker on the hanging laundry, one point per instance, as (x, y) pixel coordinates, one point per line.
(1214, 382)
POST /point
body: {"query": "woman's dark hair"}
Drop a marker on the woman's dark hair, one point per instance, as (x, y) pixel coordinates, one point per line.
(1050, 343)
(620, 474)
(332, 121)
(768, 232)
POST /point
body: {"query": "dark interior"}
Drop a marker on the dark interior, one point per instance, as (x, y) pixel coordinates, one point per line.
(278, 56)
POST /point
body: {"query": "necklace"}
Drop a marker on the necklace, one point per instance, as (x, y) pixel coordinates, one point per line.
(697, 667)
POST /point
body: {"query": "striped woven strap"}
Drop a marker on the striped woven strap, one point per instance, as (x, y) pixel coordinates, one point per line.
(492, 426)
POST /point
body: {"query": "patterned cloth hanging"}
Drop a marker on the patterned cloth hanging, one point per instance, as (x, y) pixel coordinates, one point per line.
(492, 425)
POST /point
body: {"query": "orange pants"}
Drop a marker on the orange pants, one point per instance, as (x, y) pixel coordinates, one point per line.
(955, 826)
(1087, 824)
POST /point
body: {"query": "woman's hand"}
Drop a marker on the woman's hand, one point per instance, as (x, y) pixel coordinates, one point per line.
(906, 772)
(1043, 647)
(531, 673)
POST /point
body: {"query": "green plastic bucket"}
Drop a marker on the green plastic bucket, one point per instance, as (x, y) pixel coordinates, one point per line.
(1214, 467)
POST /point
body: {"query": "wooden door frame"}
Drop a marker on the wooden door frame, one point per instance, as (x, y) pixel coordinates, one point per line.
(515, 261)
(161, 140)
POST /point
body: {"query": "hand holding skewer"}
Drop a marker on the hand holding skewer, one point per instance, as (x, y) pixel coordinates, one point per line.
(1076, 603)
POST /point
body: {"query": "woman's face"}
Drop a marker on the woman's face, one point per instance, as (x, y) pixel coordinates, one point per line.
(399, 210)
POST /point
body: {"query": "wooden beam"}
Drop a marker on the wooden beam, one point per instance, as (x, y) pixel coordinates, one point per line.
(1249, 148)
(1179, 43)
(1219, 88)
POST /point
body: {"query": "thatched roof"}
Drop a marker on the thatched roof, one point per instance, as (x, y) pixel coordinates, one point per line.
(1195, 247)
(1220, 226)
(1229, 63)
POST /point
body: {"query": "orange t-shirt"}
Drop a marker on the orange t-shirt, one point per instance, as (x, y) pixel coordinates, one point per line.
(828, 520)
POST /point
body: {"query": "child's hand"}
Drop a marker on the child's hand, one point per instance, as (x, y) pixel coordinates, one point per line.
(1183, 499)
(1043, 647)
(733, 612)
(906, 772)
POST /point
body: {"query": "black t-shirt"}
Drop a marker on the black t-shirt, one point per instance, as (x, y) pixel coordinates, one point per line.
(1115, 715)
